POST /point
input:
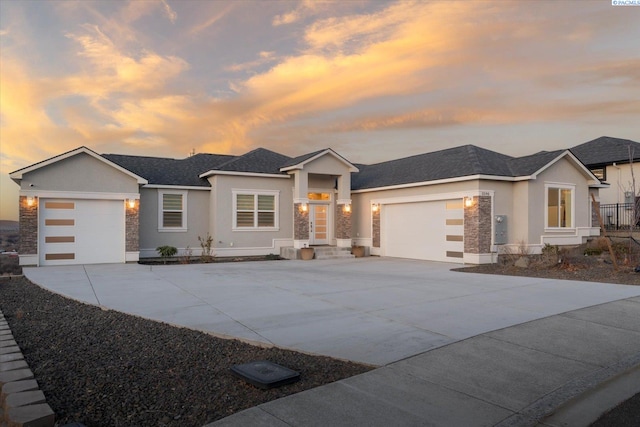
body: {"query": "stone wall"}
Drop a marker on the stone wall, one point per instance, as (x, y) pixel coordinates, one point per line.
(477, 226)
(28, 227)
(132, 228)
(375, 222)
(343, 223)
(300, 222)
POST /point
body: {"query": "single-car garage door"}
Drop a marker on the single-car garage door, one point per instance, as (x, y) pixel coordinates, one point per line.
(81, 231)
(432, 230)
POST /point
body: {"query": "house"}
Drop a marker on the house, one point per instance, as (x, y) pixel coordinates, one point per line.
(457, 205)
(611, 160)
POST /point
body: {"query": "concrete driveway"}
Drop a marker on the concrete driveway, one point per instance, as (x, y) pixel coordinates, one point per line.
(371, 310)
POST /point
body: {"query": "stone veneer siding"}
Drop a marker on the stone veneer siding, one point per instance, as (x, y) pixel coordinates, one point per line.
(595, 207)
(132, 226)
(375, 225)
(300, 222)
(477, 226)
(28, 227)
(343, 223)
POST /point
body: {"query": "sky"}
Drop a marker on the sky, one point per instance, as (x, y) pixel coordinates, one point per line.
(374, 80)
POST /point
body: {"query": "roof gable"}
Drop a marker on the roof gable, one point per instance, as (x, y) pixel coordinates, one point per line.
(17, 175)
(300, 161)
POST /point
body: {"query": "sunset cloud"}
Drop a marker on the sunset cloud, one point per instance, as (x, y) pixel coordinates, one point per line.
(152, 77)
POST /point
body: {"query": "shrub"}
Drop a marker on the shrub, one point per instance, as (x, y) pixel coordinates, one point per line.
(206, 243)
(167, 251)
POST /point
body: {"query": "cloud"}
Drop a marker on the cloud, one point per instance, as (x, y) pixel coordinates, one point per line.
(171, 14)
(216, 17)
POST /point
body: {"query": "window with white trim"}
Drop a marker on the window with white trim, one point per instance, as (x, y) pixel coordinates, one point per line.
(255, 210)
(172, 210)
(559, 203)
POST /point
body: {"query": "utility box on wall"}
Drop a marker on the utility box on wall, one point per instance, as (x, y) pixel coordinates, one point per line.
(500, 230)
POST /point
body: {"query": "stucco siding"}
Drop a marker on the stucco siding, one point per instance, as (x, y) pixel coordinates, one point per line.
(361, 216)
(224, 235)
(197, 222)
(327, 165)
(79, 173)
(620, 180)
(562, 172)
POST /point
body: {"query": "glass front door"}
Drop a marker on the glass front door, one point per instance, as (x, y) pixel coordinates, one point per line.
(319, 224)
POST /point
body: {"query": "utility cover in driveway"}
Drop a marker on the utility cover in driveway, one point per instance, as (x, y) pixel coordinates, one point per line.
(265, 374)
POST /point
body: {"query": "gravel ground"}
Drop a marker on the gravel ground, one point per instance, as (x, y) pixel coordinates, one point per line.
(105, 368)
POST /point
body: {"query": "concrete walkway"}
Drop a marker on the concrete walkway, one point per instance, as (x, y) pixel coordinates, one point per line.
(456, 348)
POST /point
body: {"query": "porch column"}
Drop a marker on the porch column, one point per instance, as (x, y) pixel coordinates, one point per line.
(477, 230)
(343, 211)
(300, 209)
(343, 225)
(28, 231)
(132, 231)
(300, 225)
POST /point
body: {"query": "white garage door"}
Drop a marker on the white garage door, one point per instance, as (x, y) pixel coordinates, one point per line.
(81, 231)
(431, 230)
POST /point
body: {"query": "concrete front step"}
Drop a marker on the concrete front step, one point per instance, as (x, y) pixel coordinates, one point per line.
(332, 253)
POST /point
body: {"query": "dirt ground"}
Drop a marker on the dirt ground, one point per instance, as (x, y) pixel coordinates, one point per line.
(590, 262)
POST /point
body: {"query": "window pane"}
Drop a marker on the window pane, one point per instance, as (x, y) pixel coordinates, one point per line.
(266, 219)
(172, 219)
(245, 219)
(552, 207)
(172, 202)
(599, 173)
(245, 202)
(266, 203)
(565, 208)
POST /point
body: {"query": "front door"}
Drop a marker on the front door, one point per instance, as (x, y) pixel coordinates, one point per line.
(319, 224)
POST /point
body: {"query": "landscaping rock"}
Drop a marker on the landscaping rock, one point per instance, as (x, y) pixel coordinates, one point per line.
(105, 368)
(522, 262)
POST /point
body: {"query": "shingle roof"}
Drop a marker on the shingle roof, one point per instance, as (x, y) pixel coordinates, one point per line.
(527, 165)
(297, 160)
(466, 160)
(450, 163)
(259, 160)
(163, 171)
(605, 151)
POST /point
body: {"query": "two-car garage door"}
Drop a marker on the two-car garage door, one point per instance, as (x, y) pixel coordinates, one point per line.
(431, 230)
(81, 231)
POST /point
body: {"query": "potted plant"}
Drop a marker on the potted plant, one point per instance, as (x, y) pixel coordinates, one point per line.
(306, 253)
(357, 251)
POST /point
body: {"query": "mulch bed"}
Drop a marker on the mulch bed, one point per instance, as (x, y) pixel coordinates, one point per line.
(105, 368)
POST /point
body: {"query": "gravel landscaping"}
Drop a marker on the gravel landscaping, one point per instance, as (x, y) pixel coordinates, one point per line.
(105, 368)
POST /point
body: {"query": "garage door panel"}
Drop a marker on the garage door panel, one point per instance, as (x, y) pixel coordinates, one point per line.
(82, 232)
(425, 230)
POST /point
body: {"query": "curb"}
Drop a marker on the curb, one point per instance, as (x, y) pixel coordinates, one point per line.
(22, 403)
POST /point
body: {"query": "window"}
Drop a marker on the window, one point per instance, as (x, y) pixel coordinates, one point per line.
(255, 210)
(559, 207)
(600, 173)
(172, 212)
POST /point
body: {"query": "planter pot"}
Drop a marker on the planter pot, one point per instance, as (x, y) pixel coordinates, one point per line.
(307, 253)
(357, 251)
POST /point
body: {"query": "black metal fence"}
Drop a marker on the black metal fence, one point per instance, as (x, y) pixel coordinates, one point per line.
(617, 216)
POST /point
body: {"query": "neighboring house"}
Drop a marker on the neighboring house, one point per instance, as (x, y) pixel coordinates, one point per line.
(455, 205)
(611, 160)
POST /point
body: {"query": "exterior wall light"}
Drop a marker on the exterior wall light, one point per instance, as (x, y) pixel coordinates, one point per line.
(468, 202)
(31, 200)
(375, 207)
(303, 207)
(131, 203)
(347, 208)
